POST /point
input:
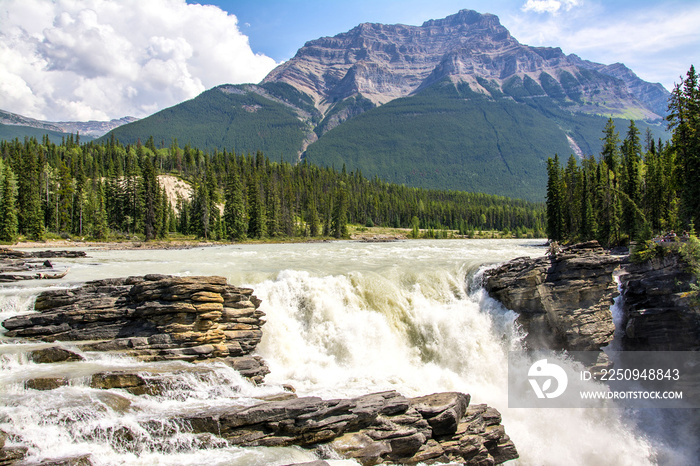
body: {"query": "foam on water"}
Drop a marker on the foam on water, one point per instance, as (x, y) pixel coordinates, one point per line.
(343, 319)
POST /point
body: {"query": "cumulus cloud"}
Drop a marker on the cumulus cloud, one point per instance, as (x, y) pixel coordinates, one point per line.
(103, 59)
(550, 6)
(653, 42)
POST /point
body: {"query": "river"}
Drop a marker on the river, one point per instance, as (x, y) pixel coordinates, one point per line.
(343, 319)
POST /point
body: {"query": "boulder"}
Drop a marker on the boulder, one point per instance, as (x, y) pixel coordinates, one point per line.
(10, 455)
(54, 354)
(151, 318)
(46, 383)
(563, 300)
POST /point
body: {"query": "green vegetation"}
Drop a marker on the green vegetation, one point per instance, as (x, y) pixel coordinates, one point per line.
(450, 137)
(110, 191)
(446, 137)
(227, 116)
(11, 132)
(630, 193)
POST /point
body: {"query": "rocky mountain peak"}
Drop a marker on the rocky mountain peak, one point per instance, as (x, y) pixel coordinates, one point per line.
(466, 19)
(384, 62)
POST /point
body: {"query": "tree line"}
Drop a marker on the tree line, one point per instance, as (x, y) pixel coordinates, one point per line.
(635, 189)
(112, 191)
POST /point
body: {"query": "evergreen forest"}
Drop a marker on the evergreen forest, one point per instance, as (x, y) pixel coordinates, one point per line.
(637, 187)
(108, 191)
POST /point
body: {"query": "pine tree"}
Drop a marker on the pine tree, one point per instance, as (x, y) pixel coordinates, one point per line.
(611, 151)
(555, 201)
(684, 120)
(8, 210)
(151, 198)
(256, 210)
(632, 157)
(234, 210)
(339, 221)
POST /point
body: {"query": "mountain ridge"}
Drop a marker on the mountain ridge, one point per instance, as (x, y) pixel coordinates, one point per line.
(92, 128)
(384, 62)
(456, 103)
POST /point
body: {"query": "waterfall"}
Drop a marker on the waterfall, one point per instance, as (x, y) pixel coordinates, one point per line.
(343, 319)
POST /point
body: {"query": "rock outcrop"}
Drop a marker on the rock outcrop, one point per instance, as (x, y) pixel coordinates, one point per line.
(372, 429)
(563, 300)
(661, 314)
(383, 62)
(152, 318)
(23, 265)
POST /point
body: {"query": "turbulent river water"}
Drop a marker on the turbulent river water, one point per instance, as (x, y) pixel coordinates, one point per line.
(343, 319)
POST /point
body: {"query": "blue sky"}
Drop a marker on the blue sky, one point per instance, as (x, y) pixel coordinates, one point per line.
(657, 39)
(101, 59)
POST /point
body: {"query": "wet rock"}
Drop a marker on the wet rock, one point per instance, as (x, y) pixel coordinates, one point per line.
(661, 312)
(54, 354)
(311, 463)
(443, 411)
(22, 265)
(10, 455)
(371, 429)
(81, 460)
(563, 300)
(152, 318)
(46, 383)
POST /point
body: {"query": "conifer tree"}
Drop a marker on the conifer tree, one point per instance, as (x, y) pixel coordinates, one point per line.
(234, 209)
(684, 120)
(339, 221)
(256, 210)
(8, 210)
(555, 207)
(151, 198)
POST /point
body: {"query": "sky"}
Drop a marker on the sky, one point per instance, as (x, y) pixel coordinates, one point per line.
(79, 60)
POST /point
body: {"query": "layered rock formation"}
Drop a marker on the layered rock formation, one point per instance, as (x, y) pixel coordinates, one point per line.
(660, 311)
(384, 62)
(22, 265)
(563, 299)
(152, 318)
(372, 429)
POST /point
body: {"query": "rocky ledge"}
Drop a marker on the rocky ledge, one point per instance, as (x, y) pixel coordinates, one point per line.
(23, 265)
(152, 318)
(378, 428)
(661, 312)
(563, 299)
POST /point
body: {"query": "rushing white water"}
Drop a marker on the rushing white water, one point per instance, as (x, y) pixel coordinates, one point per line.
(344, 319)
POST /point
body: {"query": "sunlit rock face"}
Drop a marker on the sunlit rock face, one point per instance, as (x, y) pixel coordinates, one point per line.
(384, 62)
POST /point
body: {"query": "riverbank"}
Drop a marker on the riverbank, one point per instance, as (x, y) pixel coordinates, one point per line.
(356, 233)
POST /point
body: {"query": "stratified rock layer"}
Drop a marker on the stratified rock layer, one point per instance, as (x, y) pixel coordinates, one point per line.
(563, 299)
(660, 311)
(152, 318)
(376, 428)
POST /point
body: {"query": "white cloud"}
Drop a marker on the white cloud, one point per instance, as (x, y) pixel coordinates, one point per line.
(658, 44)
(549, 6)
(102, 59)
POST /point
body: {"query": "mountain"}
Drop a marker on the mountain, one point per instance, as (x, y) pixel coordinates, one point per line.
(271, 117)
(17, 126)
(456, 103)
